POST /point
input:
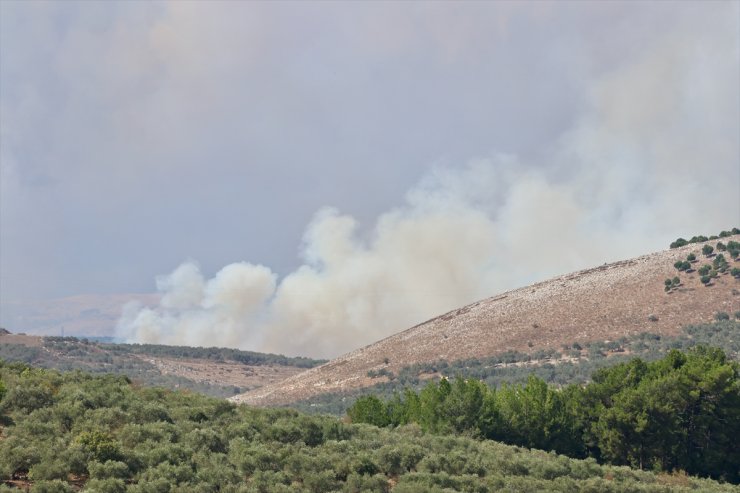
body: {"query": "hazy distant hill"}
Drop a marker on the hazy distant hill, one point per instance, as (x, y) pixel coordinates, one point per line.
(608, 302)
(217, 372)
(83, 315)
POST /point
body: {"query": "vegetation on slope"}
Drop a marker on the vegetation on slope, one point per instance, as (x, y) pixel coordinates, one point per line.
(680, 412)
(71, 353)
(573, 363)
(101, 433)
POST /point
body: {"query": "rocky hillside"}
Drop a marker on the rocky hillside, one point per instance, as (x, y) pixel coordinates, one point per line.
(602, 303)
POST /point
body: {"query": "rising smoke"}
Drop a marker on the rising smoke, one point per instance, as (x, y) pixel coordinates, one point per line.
(653, 155)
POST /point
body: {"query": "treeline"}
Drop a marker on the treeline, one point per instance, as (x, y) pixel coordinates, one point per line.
(210, 353)
(572, 363)
(701, 238)
(681, 412)
(65, 432)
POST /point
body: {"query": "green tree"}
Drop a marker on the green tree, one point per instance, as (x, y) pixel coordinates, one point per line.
(369, 409)
(707, 250)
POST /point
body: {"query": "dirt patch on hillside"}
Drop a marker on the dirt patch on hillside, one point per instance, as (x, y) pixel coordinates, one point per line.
(22, 339)
(226, 373)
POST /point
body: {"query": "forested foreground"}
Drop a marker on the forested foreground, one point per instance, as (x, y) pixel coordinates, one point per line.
(681, 412)
(70, 431)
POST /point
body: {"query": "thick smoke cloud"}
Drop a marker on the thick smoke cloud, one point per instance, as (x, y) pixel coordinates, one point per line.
(654, 152)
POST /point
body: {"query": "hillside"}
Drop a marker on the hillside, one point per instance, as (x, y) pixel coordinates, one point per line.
(219, 372)
(608, 302)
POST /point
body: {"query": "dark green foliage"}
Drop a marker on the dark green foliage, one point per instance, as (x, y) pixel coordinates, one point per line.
(721, 247)
(705, 280)
(720, 316)
(680, 412)
(691, 257)
(679, 243)
(707, 250)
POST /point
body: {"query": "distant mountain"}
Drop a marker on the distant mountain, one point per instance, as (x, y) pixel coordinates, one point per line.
(608, 302)
(83, 315)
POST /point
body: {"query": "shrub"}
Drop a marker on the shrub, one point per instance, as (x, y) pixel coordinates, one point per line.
(676, 281)
(691, 257)
(704, 269)
(707, 250)
(705, 280)
(679, 243)
(735, 272)
(720, 316)
(668, 283)
(721, 247)
(682, 265)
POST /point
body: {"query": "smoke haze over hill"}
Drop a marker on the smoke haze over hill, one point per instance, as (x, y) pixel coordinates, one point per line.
(420, 156)
(652, 153)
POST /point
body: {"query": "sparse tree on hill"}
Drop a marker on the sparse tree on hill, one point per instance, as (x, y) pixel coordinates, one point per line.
(691, 257)
(707, 250)
(721, 247)
(705, 280)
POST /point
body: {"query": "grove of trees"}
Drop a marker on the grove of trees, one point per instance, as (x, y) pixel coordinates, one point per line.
(681, 412)
(64, 432)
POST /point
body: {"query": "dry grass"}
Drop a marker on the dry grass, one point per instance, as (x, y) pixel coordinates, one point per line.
(603, 303)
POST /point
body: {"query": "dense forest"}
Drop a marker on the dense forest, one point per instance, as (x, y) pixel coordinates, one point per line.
(680, 412)
(74, 430)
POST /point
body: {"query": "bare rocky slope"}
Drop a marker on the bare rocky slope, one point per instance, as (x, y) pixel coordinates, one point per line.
(603, 303)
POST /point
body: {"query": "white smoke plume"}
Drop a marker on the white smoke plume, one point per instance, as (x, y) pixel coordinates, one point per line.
(653, 156)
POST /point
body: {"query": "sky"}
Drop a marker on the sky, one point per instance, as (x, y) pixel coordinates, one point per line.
(308, 177)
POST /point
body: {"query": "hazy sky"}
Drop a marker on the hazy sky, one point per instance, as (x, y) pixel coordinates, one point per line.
(136, 136)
